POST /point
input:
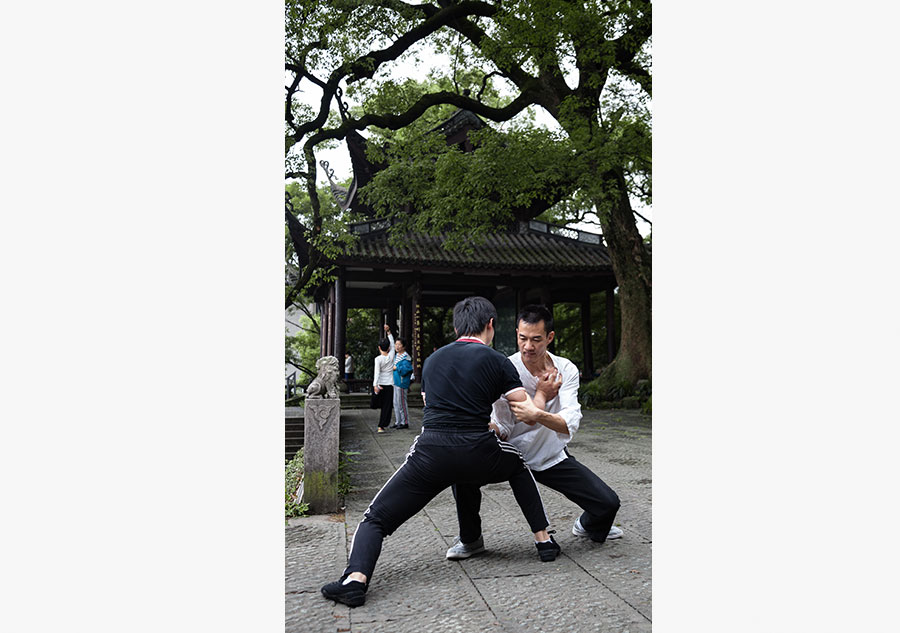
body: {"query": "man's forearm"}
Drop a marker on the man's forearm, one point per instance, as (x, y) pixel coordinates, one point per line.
(553, 421)
(550, 420)
(524, 409)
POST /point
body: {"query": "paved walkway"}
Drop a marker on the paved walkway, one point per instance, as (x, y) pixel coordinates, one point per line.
(414, 588)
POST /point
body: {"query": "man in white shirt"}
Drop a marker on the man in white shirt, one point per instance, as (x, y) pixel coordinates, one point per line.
(552, 382)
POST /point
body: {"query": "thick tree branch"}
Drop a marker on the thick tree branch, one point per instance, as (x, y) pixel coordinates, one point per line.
(484, 83)
(397, 121)
(366, 65)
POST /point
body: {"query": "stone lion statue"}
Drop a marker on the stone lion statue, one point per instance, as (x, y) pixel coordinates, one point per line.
(324, 384)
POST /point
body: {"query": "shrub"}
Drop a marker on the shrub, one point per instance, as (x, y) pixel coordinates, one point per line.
(589, 395)
(293, 476)
(345, 458)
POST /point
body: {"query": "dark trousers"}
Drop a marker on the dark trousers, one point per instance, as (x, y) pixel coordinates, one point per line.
(387, 404)
(436, 460)
(570, 477)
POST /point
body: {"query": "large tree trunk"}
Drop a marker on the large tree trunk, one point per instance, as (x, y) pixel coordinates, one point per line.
(632, 267)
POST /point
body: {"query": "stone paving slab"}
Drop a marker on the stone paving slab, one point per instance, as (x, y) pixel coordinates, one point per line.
(414, 588)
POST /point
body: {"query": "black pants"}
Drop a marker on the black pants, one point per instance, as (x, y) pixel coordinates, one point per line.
(387, 405)
(436, 460)
(571, 478)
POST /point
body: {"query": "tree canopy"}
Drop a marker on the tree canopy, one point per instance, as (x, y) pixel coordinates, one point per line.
(586, 64)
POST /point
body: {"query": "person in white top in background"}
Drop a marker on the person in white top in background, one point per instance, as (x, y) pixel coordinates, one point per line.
(552, 381)
(383, 378)
(348, 366)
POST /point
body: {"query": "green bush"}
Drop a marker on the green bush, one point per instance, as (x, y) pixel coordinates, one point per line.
(595, 394)
(345, 458)
(647, 407)
(589, 395)
(293, 475)
(642, 389)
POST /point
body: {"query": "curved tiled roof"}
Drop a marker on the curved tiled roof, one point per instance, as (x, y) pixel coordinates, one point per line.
(527, 249)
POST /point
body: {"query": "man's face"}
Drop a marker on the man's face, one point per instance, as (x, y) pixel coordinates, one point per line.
(533, 340)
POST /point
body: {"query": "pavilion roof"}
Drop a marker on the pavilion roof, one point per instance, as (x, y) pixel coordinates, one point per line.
(527, 246)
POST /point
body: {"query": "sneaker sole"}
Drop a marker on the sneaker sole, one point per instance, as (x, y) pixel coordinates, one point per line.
(353, 599)
(465, 555)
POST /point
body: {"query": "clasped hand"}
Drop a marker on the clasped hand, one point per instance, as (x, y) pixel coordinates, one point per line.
(525, 411)
(549, 383)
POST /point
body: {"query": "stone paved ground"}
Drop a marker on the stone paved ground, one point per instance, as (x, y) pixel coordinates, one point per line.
(589, 587)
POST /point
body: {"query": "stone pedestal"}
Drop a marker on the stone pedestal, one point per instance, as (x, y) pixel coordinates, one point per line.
(321, 439)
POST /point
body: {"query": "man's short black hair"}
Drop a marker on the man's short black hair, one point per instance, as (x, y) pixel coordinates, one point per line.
(534, 314)
(472, 314)
(384, 345)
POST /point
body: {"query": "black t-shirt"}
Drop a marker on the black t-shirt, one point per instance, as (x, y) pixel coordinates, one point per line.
(461, 381)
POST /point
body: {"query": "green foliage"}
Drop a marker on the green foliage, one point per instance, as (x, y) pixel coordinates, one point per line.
(345, 458)
(467, 195)
(589, 395)
(293, 475)
(363, 333)
(437, 328)
(598, 392)
(333, 237)
(567, 325)
(302, 348)
(606, 120)
(647, 406)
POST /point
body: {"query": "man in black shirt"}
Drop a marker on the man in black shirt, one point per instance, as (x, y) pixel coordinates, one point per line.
(460, 383)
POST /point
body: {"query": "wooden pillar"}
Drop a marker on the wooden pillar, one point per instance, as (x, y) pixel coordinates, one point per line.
(416, 341)
(340, 319)
(587, 371)
(323, 317)
(406, 319)
(392, 314)
(610, 324)
(329, 350)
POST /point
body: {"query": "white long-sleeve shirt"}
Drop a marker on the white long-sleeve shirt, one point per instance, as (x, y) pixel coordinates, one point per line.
(383, 373)
(542, 447)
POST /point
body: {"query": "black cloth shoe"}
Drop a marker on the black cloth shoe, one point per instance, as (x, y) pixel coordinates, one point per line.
(401, 426)
(548, 551)
(352, 594)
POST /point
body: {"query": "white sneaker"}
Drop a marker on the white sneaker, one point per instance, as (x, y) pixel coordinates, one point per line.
(461, 550)
(578, 530)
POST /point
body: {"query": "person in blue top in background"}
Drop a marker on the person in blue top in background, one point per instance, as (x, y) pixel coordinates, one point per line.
(402, 377)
